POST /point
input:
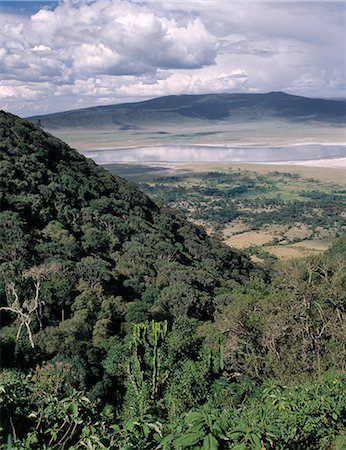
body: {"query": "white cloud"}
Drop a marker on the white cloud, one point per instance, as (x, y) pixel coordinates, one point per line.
(14, 90)
(92, 52)
(95, 58)
(101, 38)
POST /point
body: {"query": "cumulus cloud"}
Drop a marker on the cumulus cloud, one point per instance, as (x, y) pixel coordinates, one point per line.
(102, 38)
(85, 52)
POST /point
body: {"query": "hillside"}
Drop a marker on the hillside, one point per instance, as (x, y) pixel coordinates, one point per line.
(207, 107)
(105, 235)
(124, 326)
(57, 205)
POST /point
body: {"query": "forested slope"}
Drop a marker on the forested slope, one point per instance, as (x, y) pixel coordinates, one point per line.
(123, 326)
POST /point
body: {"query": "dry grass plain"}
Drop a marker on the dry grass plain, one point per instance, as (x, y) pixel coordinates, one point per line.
(276, 240)
(299, 249)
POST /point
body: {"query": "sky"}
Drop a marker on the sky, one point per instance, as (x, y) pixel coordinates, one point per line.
(80, 53)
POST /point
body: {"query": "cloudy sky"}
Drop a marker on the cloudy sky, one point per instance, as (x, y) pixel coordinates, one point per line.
(78, 53)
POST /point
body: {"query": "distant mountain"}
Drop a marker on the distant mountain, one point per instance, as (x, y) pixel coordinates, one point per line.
(206, 107)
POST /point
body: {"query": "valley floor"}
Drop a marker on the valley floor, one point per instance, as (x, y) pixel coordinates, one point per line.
(285, 211)
(326, 170)
(274, 132)
(201, 190)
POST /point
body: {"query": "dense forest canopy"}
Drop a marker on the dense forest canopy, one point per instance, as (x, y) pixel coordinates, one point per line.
(124, 326)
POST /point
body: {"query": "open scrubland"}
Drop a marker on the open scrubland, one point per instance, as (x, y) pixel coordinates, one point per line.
(280, 210)
(252, 133)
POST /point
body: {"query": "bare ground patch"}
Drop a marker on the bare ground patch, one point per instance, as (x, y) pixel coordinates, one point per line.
(298, 232)
(235, 227)
(319, 245)
(250, 239)
(287, 252)
(299, 249)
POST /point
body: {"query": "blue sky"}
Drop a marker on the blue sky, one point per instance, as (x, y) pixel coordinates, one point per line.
(71, 54)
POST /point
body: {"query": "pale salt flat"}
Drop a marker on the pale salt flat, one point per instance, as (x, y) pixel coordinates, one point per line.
(331, 163)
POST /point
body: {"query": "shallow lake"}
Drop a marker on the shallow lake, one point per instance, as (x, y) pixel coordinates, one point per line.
(204, 153)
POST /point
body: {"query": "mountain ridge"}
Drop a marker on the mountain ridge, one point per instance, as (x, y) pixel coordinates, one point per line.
(200, 107)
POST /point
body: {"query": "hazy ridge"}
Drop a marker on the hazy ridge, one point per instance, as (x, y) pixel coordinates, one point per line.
(196, 108)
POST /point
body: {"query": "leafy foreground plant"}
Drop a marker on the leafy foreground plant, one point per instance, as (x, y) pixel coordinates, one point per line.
(198, 430)
(310, 416)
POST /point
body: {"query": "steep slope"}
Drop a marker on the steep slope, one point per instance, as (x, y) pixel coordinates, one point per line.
(206, 107)
(117, 257)
(85, 256)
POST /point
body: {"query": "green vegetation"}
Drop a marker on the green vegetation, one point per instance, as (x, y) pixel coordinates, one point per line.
(300, 208)
(126, 327)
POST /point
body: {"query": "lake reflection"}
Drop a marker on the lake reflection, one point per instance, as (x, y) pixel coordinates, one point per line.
(194, 153)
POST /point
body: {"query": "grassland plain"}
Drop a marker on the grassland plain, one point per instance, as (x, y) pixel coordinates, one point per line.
(254, 133)
(266, 210)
